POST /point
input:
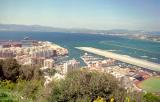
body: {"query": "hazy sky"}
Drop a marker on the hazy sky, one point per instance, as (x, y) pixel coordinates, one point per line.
(95, 14)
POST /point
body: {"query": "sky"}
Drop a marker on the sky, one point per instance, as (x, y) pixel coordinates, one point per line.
(92, 14)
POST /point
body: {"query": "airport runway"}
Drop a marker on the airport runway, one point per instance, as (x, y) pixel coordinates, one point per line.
(123, 58)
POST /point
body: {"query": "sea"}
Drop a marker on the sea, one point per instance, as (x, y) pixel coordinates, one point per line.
(142, 49)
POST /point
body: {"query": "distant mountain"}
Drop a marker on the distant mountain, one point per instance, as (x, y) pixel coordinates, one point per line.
(15, 27)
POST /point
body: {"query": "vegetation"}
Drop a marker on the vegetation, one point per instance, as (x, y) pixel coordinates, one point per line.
(50, 71)
(85, 86)
(6, 96)
(19, 83)
(10, 69)
(28, 72)
(25, 84)
(149, 97)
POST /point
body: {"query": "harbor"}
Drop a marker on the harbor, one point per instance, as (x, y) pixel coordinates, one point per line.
(127, 59)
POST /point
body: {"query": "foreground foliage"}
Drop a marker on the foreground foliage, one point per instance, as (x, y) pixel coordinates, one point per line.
(11, 70)
(26, 84)
(20, 83)
(86, 86)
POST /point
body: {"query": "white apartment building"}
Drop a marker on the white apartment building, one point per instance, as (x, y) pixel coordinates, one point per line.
(5, 53)
(70, 66)
(42, 53)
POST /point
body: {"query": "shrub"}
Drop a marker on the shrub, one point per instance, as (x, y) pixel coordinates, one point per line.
(10, 69)
(81, 85)
(149, 97)
(7, 84)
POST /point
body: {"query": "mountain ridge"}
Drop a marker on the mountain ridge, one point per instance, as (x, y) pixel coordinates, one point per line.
(20, 27)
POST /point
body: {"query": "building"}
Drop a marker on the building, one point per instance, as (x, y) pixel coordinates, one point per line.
(6, 53)
(106, 63)
(71, 66)
(49, 63)
(46, 53)
(100, 64)
(24, 60)
(62, 51)
(31, 52)
(38, 60)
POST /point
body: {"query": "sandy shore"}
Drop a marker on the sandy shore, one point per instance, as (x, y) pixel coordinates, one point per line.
(123, 58)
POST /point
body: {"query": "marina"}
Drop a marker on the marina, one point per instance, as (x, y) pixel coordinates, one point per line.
(127, 59)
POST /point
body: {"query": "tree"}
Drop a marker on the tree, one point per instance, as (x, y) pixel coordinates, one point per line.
(81, 85)
(10, 69)
(1, 71)
(28, 72)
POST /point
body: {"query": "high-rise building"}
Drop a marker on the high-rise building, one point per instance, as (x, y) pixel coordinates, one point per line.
(6, 53)
(70, 66)
(46, 53)
(38, 60)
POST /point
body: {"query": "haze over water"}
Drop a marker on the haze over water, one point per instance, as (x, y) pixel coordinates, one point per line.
(136, 48)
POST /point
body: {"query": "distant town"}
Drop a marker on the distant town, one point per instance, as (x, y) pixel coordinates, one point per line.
(133, 34)
(154, 38)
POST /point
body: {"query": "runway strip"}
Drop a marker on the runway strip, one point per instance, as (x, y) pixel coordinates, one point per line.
(123, 58)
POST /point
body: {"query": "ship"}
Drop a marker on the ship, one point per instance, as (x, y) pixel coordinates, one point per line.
(26, 38)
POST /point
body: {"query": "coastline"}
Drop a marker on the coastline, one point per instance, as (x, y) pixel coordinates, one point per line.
(126, 59)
